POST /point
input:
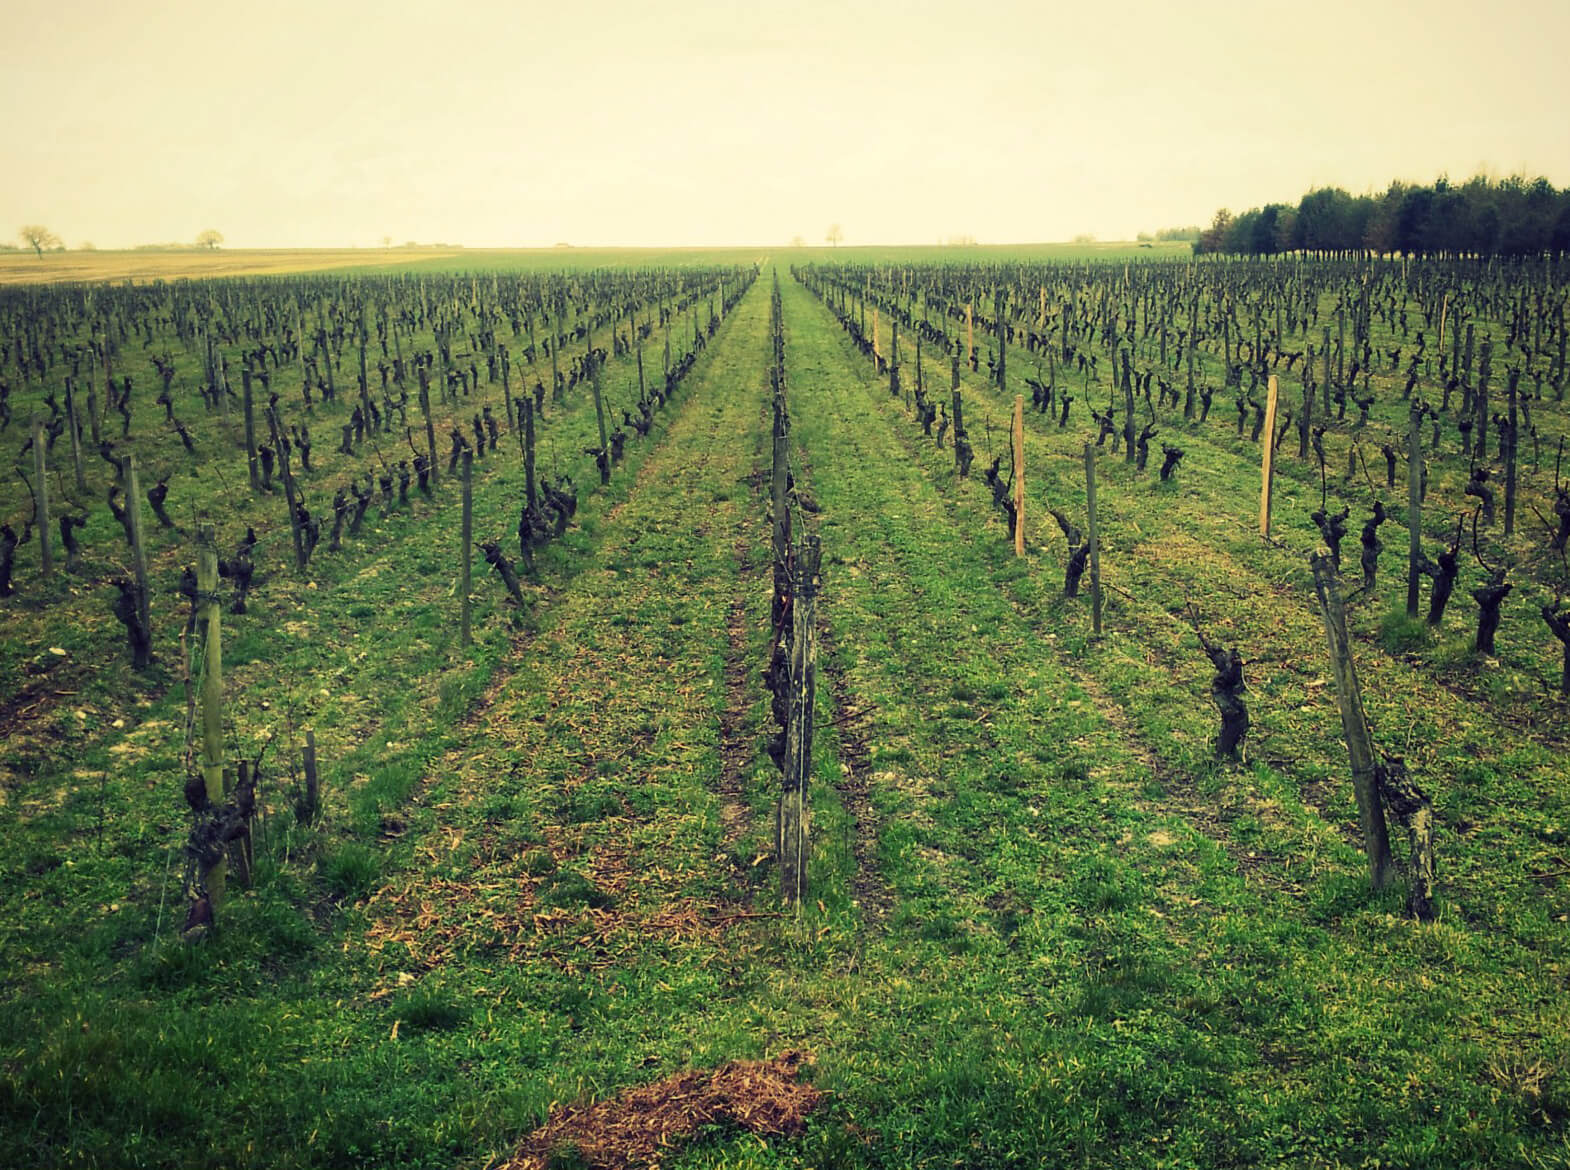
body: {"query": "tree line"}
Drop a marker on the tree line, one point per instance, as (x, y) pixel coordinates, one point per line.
(1514, 216)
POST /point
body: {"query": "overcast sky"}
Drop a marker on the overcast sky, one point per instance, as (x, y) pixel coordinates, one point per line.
(708, 122)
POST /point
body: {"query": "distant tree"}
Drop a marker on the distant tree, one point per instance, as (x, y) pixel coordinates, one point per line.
(37, 237)
(834, 235)
(1240, 235)
(210, 239)
(1413, 220)
(1514, 216)
(87, 246)
(1213, 239)
(1561, 236)
(797, 242)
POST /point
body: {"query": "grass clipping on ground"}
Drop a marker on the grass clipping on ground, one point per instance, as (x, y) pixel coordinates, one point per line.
(640, 1126)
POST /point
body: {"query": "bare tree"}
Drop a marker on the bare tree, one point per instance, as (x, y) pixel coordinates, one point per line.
(37, 237)
(210, 239)
(835, 234)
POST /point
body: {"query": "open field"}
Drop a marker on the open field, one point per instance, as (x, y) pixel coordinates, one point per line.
(1046, 925)
(141, 267)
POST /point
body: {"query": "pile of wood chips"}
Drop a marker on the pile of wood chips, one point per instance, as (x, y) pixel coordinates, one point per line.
(642, 1125)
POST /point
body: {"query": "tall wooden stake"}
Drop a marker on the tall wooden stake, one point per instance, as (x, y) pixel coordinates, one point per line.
(430, 426)
(41, 501)
(599, 414)
(1019, 475)
(1414, 507)
(208, 619)
(526, 408)
(133, 511)
(250, 426)
(1094, 539)
(1354, 722)
(312, 802)
(1267, 467)
(76, 436)
(468, 540)
(793, 815)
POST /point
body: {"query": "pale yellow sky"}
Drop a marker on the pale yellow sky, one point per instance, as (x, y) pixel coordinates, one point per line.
(605, 122)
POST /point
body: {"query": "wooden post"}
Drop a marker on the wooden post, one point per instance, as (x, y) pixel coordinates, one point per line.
(1128, 405)
(41, 500)
(1354, 723)
(312, 802)
(779, 500)
(1001, 303)
(1414, 506)
(1324, 381)
(526, 408)
(250, 426)
(792, 819)
(555, 362)
(133, 511)
(1444, 309)
(1094, 539)
(970, 330)
(430, 427)
(1019, 475)
(1268, 465)
(212, 701)
(1512, 428)
(468, 540)
(599, 415)
(76, 436)
(280, 443)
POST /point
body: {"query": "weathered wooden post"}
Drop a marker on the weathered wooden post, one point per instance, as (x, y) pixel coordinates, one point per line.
(556, 338)
(526, 409)
(1414, 505)
(1019, 475)
(208, 619)
(1268, 464)
(1354, 722)
(133, 511)
(281, 443)
(604, 458)
(1001, 303)
(76, 436)
(310, 802)
(248, 406)
(1511, 430)
(468, 541)
(430, 426)
(1094, 539)
(41, 498)
(1128, 407)
(1324, 381)
(793, 816)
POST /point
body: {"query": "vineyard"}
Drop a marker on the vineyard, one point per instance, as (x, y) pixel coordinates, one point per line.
(1096, 710)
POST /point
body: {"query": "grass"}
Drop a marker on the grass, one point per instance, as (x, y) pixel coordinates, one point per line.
(1070, 937)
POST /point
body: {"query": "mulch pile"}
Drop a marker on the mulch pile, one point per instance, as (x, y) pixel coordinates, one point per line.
(644, 1124)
